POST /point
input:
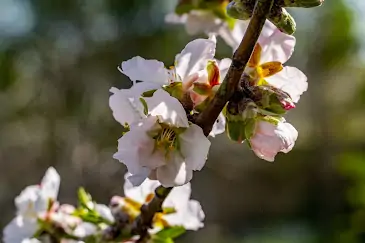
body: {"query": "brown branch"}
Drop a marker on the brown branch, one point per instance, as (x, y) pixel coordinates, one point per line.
(241, 57)
(148, 211)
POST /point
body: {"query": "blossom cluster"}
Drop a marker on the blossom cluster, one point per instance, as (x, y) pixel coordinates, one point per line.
(41, 218)
(161, 145)
(161, 141)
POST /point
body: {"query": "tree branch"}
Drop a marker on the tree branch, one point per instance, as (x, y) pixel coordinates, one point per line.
(241, 57)
(148, 211)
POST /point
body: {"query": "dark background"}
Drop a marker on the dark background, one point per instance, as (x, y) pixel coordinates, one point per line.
(58, 60)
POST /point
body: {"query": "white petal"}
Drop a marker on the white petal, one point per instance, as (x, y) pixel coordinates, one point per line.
(85, 229)
(197, 22)
(104, 212)
(174, 173)
(167, 108)
(30, 197)
(276, 45)
(190, 216)
(32, 240)
(19, 229)
(178, 197)
(194, 57)
(219, 126)
(173, 18)
(135, 150)
(233, 37)
(51, 183)
(125, 103)
(194, 146)
(291, 80)
(140, 69)
(223, 66)
(140, 193)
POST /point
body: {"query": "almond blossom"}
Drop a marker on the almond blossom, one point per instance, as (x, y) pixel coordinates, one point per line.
(163, 145)
(178, 208)
(269, 139)
(191, 66)
(266, 64)
(32, 202)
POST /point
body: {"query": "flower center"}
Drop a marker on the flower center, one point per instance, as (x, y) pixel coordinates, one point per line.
(166, 139)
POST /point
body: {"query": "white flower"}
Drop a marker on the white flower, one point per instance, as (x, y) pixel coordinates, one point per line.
(270, 139)
(163, 143)
(185, 212)
(189, 62)
(273, 49)
(32, 202)
(125, 103)
(197, 21)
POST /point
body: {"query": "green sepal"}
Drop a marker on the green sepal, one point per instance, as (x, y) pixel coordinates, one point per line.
(148, 93)
(236, 131)
(201, 88)
(168, 210)
(145, 106)
(175, 89)
(250, 127)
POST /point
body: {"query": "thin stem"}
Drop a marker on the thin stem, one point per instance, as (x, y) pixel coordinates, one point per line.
(241, 57)
(148, 211)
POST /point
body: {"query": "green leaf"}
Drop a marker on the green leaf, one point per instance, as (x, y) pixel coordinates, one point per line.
(171, 232)
(156, 239)
(84, 198)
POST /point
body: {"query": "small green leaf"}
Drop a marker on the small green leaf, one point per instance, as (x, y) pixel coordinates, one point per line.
(171, 232)
(156, 239)
(84, 198)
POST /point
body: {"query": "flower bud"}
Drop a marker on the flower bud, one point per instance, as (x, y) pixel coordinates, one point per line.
(299, 3)
(240, 9)
(240, 118)
(271, 99)
(282, 20)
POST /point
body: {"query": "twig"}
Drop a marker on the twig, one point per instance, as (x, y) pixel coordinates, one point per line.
(148, 211)
(241, 57)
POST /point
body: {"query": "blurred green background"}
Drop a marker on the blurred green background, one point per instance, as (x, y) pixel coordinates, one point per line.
(58, 60)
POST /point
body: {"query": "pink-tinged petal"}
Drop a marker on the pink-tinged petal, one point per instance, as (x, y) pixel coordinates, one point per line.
(167, 108)
(194, 146)
(194, 57)
(140, 69)
(136, 150)
(270, 139)
(291, 80)
(174, 173)
(276, 45)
